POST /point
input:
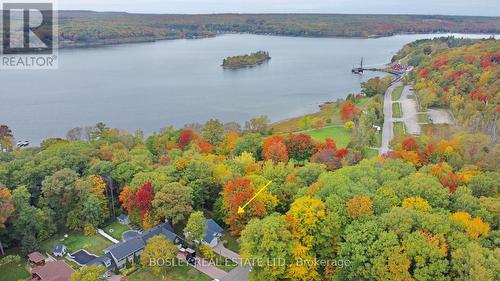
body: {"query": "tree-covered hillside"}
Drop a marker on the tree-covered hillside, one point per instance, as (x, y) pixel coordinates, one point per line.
(84, 28)
(459, 74)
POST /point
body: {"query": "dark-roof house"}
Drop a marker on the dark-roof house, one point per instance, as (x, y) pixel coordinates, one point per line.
(59, 250)
(123, 219)
(127, 250)
(213, 232)
(52, 271)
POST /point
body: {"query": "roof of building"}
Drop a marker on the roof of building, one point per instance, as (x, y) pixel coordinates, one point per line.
(54, 271)
(166, 229)
(211, 230)
(58, 248)
(36, 257)
(102, 260)
(122, 217)
(126, 248)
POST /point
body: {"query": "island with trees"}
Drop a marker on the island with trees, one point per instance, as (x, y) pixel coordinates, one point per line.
(243, 61)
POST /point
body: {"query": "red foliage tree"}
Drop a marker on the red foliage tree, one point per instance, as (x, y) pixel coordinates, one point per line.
(329, 143)
(341, 153)
(144, 197)
(348, 111)
(300, 146)
(328, 158)
(410, 144)
(186, 137)
(424, 73)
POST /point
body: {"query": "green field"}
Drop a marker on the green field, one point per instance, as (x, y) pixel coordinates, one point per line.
(396, 94)
(230, 242)
(399, 129)
(423, 118)
(94, 244)
(13, 272)
(178, 273)
(339, 134)
(396, 110)
(117, 230)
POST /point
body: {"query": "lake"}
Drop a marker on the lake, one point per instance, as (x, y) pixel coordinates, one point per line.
(148, 86)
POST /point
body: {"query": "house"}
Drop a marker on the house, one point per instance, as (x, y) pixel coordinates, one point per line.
(213, 232)
(126, 250)
(106, 261)
(59, 250)
(119, 253)
(123, 219)
(52, 271)
(36, 259)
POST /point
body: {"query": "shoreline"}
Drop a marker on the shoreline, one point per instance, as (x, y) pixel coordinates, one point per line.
(140, 40)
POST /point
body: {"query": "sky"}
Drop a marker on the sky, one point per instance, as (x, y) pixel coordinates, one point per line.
(431, 7)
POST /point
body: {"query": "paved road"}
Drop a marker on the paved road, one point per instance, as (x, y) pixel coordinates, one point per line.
(409, 109)
(387, 133)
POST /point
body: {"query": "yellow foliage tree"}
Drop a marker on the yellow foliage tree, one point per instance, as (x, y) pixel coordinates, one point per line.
(417, 203)
(475, 228)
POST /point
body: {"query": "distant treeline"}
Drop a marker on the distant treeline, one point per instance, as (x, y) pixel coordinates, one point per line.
(82, 28)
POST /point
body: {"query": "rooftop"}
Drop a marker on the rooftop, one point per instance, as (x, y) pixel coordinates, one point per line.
(36, 257)
(54, 271)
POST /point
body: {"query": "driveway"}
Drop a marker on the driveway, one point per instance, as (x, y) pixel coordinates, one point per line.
(240, 273)
(223, 251)
(205, 267)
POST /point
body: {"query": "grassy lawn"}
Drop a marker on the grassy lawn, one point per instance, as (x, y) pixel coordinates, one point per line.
(14, 272)
(423, 118)
(94, 244)
(396, 110)
(230, 242)
(178, 273)
(329, 111)
(399, 129)
(339, 134)
(117, 230)
(396, 94)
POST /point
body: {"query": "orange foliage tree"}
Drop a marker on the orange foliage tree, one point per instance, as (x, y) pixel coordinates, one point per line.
(236, 193)
(274, 148)
(348, 111)
(360, 207)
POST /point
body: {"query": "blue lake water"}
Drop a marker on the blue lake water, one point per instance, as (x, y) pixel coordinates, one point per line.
(153, 85)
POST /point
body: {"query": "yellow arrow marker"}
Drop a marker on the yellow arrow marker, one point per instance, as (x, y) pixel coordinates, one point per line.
(241, 209)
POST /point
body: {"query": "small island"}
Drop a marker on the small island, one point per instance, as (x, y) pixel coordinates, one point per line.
(246, 60)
